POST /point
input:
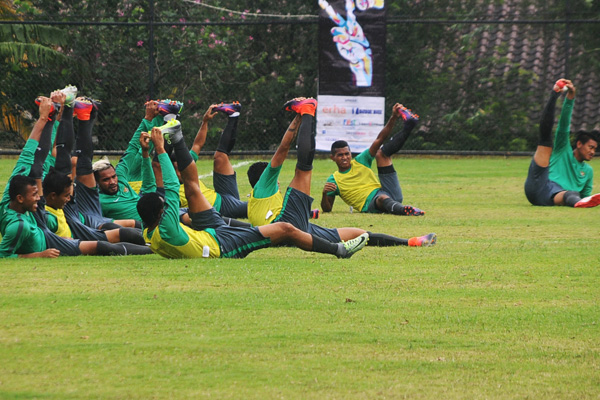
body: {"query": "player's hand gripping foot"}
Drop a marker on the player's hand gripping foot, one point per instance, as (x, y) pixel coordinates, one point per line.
(168, 106)
(70, 92)
(407, 114)
(348, 248)
(423, 241)
(301, 105)
(231, 109)
(561, 85)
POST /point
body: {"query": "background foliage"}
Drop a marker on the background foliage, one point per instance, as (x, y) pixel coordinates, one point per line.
(477, 79)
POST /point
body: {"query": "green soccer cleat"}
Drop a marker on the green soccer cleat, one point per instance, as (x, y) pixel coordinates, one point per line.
(172, 131)
(353, 245)
(71, 92)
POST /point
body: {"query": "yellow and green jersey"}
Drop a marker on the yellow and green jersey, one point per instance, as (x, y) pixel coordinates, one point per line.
(358, 185)
(57, 222)
(170, 238)
(266, 201)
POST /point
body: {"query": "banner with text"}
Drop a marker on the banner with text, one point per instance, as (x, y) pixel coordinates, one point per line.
(351, 72)
(357, 120)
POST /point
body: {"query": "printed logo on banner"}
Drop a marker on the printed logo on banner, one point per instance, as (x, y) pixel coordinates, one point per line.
(357, 120)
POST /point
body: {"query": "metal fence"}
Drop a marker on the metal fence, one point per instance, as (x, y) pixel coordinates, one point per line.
(477, 77)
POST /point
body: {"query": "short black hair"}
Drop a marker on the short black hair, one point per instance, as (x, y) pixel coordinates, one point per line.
(338, 144)
(149, 207)
(56, 182)
(584, 136)
(255, 171)
(18, 185)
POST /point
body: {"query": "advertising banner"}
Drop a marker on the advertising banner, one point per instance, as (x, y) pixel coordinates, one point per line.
(351, 72)
(357, 120)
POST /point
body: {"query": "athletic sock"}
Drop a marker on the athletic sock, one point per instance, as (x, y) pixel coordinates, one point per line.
(107, 226)
(306, 143)
(383, 240)
(325, 246)
(44, 146)
(85, 146)
(398, 140)
(393, 207)
(182, 155)
(571, 198)
(547, 121)
(227, 140)
(120, 249)
(131, 235)
(388, 169)
(65, 139)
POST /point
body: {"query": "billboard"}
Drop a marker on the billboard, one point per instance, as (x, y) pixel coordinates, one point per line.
(351, 72)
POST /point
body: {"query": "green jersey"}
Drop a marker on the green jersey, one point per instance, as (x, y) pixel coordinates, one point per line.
(565, 170)
(123, 204)
(131, 162)
(20, 232)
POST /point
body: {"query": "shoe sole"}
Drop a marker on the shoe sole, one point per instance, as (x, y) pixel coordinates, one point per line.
(594, 201)
(358, 247)
(430, 242)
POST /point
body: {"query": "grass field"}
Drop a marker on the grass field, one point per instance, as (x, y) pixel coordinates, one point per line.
(505, 306)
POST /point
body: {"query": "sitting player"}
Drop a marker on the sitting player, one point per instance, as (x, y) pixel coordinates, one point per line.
(355, 182)
(558, 174)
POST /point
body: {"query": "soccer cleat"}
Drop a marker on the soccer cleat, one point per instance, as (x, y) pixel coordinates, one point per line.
(167, 106)
(588, 202)
(231, 109)
(407, 114)
(314, 214)
(423, 241)
(55, 107)
(412, 211)
(172, 131)
(301, 105)
(353, 245)
(71, 92)
(560, 86)
(83, 106)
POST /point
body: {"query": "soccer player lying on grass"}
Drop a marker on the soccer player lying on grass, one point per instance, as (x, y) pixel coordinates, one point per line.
(210, 236)
(267, 205)
(23, 222)
(225, 197)
(75, 212)
(558, 174)
(355, 182)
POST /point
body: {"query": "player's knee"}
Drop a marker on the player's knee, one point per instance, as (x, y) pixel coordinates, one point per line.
(287, 228)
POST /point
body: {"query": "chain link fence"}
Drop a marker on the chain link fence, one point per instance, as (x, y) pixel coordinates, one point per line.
(477, 74)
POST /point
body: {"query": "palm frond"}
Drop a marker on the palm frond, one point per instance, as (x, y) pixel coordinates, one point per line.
(29, 52)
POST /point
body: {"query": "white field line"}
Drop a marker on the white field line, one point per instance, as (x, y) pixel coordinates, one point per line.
(236, 165)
